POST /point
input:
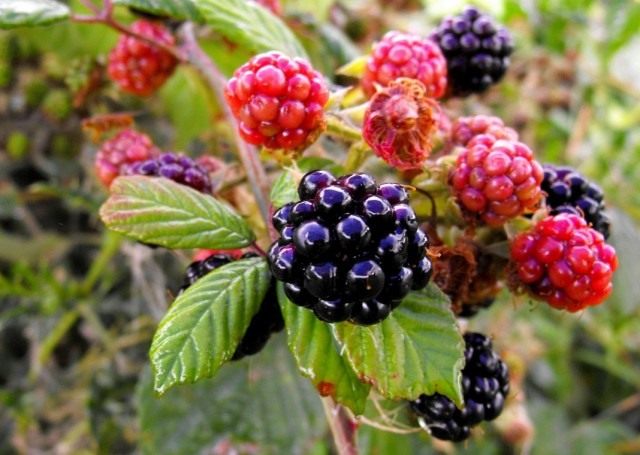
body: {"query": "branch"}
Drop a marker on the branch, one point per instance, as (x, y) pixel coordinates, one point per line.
(248, 154)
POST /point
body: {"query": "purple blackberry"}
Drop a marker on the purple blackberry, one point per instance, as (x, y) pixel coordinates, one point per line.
(176, 167)
(266, 321)
(350, 249)
(477, 51)
(569, 192)
(485, 384)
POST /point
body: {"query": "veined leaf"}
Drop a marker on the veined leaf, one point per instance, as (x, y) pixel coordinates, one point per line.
(162, 212)
(176, 9)
(19, 13)
(284, 189)
(204, 325)
(318, 358)
(250, 25)
(417, 349)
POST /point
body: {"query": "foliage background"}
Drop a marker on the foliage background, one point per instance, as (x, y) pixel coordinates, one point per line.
(78, 308)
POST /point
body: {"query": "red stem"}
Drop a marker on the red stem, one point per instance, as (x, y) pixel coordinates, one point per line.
(343, 428)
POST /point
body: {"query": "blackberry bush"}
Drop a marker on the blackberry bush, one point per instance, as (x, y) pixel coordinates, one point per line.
(477, 51)
(485, 384)
(349, 249)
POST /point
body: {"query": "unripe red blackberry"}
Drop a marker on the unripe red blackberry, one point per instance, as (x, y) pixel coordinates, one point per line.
(278, 101)
(272, 5)
(266, 321)
(496, 180)
(564, 262)
(466, 128)
(404, 55)
(137, 66)
(401, 123)
(485, 386)
(350, 249)
(126, 148)
(477, 51)
(177, 167)
(567, 191)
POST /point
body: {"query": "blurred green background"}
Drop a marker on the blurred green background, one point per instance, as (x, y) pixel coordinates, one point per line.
(78, 307)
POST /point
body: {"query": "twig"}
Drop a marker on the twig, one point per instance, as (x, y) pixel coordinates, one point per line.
(248, 154)
(342, 427)
(387, 428)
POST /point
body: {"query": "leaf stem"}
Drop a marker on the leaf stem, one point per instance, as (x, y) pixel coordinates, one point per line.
(343, 427)
(247, 154)
(336, 126)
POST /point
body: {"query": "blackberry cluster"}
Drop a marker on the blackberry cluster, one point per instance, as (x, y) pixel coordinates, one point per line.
(569, 192)
(485, 384)
(350, 249)
(176, 167)
(266, 321)
(477, 51)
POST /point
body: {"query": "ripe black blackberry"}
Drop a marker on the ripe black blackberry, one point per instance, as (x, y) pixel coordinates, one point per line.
(569, 192)
(349, 249)
(177, 167)
(266, 321)
(477, 51)
(485, 385)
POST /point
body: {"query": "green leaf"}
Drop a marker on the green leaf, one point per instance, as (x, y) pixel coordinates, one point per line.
(284, 190)
(176, 9)
(260, 400)
(318, 357)
(416, 350)
(162, 212)
(250, 25)
(19, 13)
(204, 325)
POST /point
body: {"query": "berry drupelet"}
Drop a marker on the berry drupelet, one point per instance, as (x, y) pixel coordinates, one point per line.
(278, 101)
(139, 67)
(266, 321)
(564, 262)
(349, 249)
(477, 51)
(125, 149)
(567, 191)
(466, 128)
(179, 168)
(404, 55)
(496, 180)
(485, 386)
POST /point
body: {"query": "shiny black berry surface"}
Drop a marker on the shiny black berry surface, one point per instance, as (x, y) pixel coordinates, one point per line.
(266, 321)
(179, 168)
(477, 51)
(485, 384)
(349, 249)
(568, 191)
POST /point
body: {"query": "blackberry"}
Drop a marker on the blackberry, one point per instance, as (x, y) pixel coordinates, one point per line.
(176, 167)
(266, 321)
(485, 384)
(349, 249)
(567, 191)
(477, 51)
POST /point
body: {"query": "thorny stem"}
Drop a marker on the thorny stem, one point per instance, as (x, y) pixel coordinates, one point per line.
(248, 154)
(343, 428)
(105, 17)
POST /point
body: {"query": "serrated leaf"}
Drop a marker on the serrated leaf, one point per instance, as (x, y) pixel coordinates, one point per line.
(19, 13)
(284, 189)
(261, 400)
(204, 325)
(250, 25)
(417, 349)
(176, 9)
(162, 212)
(318, 358)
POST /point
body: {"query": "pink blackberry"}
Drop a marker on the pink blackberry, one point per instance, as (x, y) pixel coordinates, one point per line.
(564, 262)
(177, 167)
(278, 101)
(126, 148)
(404, 55)
(496, 180)
(139, 67)
(466, 128)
